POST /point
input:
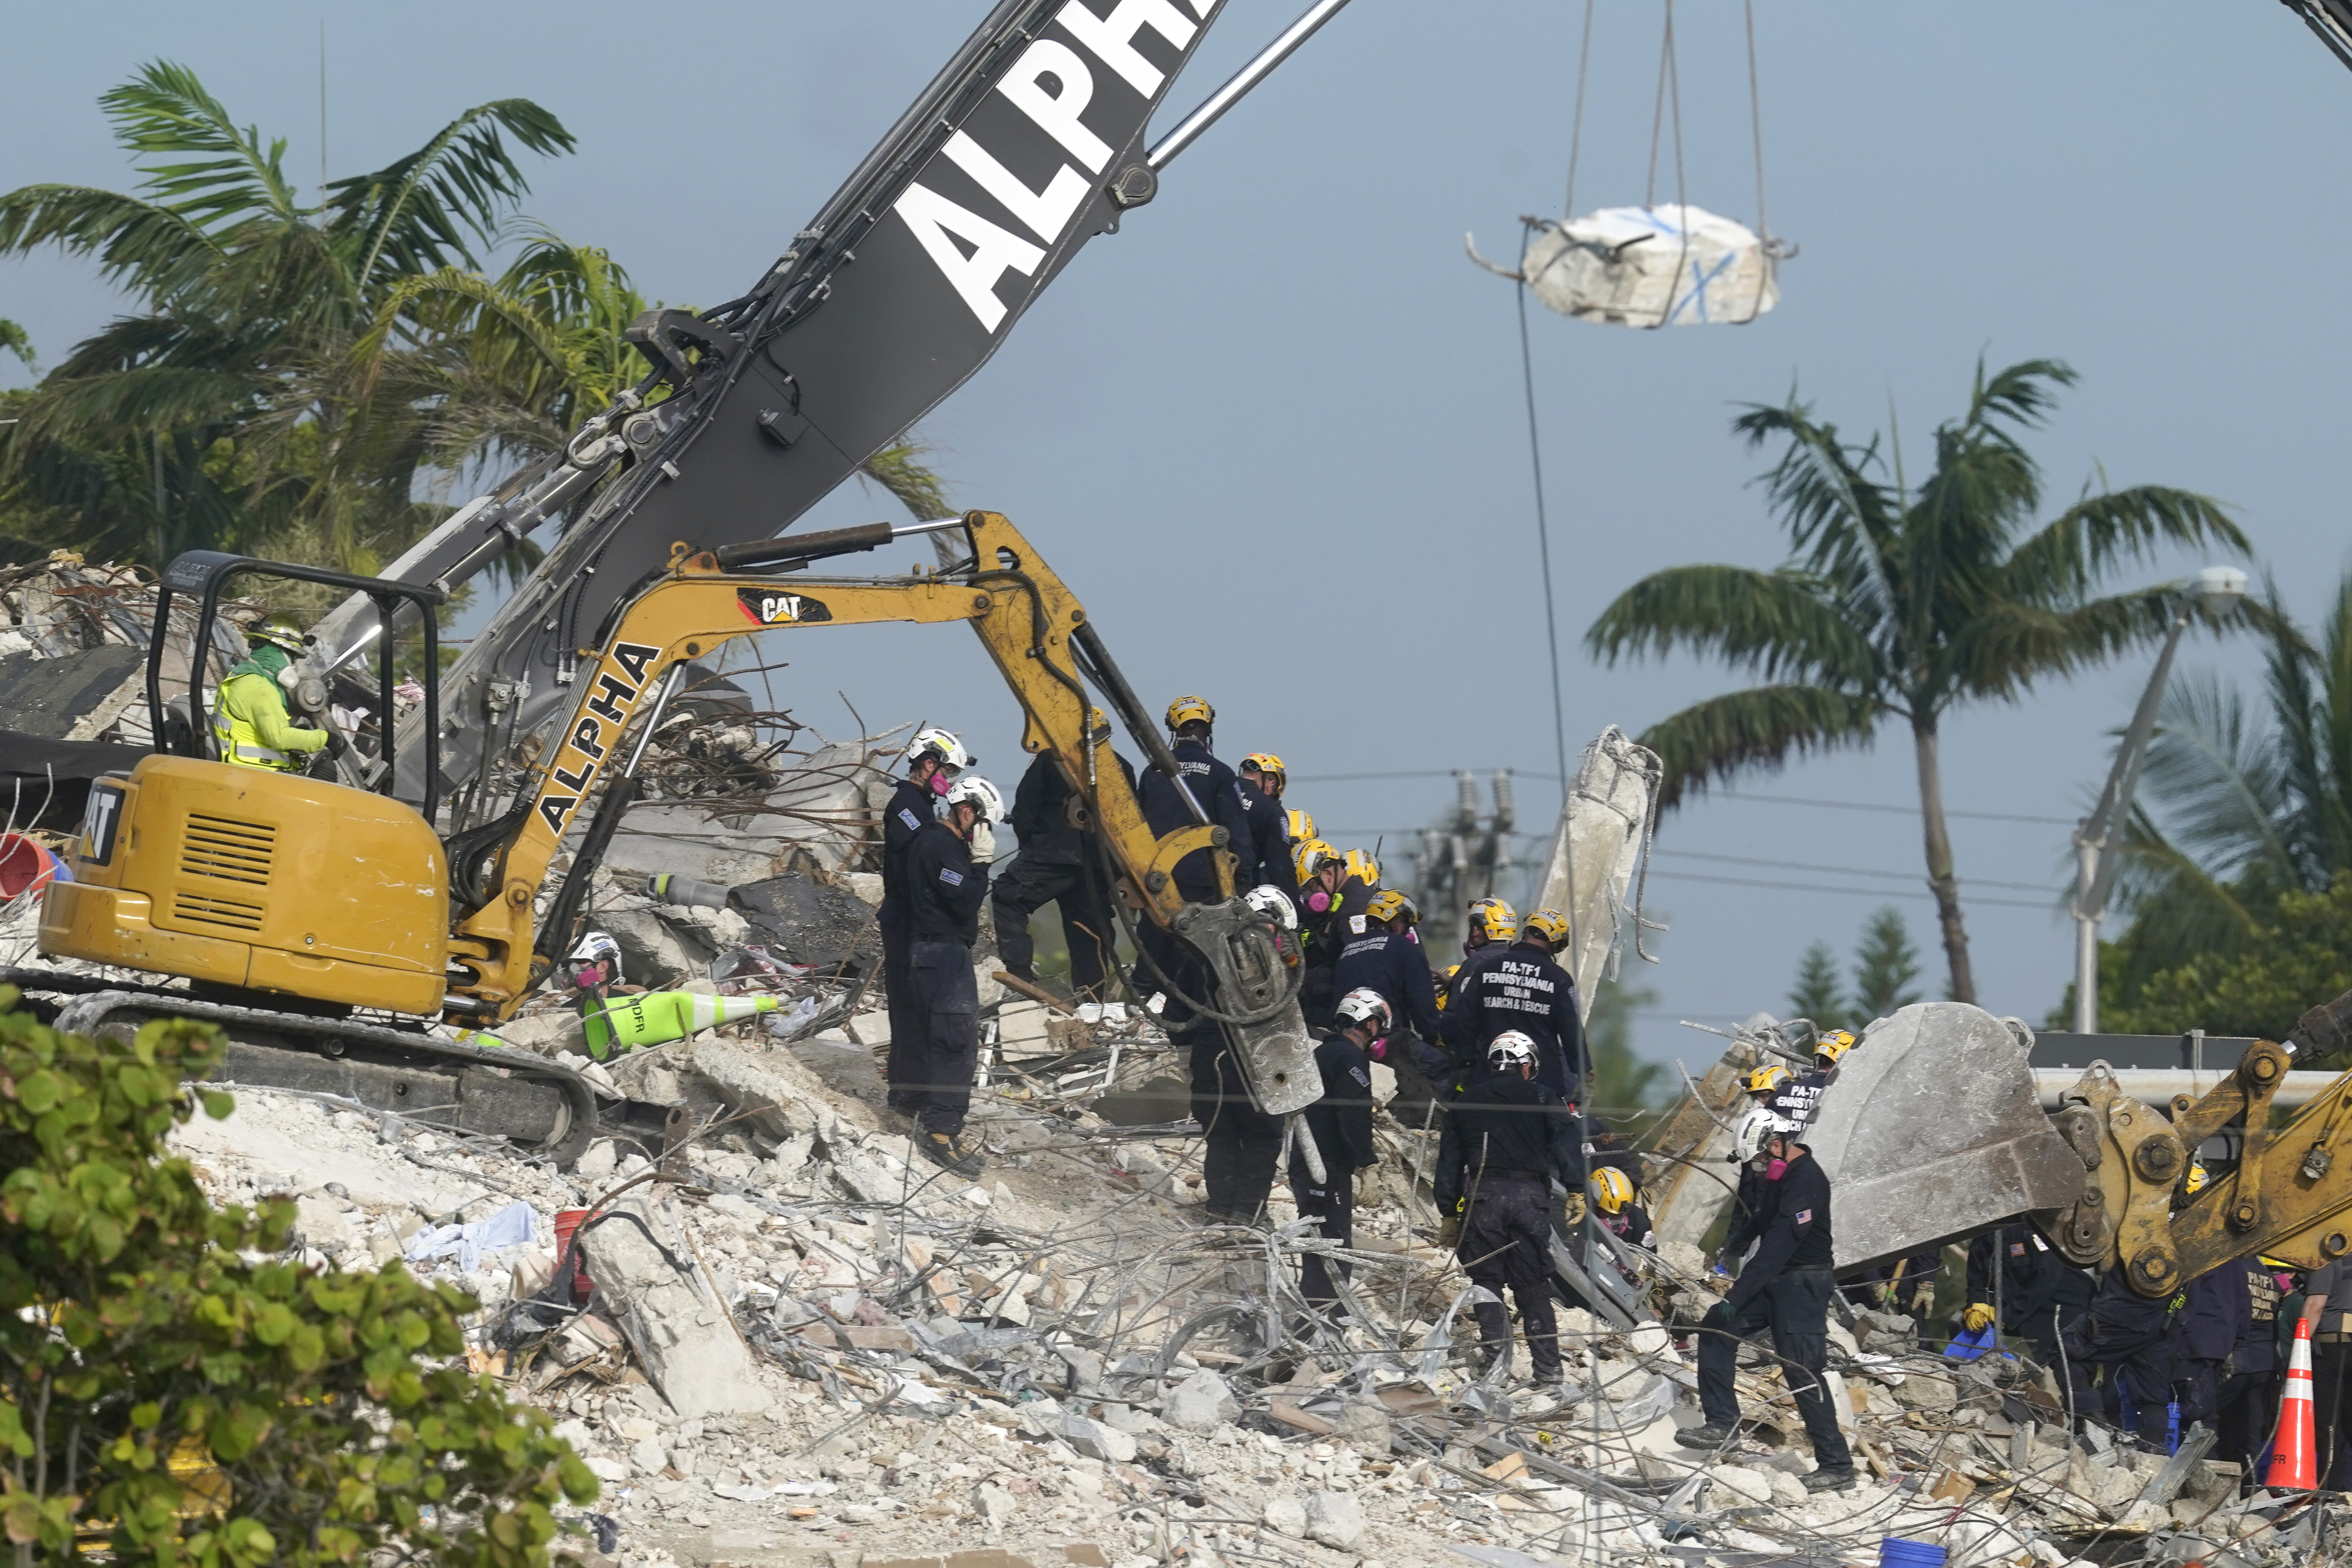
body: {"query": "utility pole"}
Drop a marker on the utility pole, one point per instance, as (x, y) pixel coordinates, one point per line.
(2216, 591)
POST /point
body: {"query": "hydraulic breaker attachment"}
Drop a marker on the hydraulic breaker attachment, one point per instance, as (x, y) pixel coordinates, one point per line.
(1933, 1131)
(1258, 1000)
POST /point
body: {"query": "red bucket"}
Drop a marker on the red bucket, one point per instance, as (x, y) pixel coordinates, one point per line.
(25, 865)
(567, 1224)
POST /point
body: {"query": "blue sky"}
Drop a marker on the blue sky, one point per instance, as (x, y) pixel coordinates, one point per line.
(1273, 430)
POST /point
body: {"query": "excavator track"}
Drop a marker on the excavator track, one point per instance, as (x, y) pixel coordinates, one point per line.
(549, 1109)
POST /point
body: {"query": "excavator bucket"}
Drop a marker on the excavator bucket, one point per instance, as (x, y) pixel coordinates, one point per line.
(1932, 1132)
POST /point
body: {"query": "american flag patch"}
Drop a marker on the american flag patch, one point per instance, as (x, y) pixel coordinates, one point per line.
(1804, 1216)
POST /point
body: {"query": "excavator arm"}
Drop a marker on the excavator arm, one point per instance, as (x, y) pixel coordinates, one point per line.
(1038, 635)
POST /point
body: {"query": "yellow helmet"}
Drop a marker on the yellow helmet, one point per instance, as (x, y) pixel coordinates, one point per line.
(1190, 710)
(1609, 1189)
(1302, 825)
(1834, 1044)
(1548, 924)
(279, 631)
(1499, 921)
(1267, 763)
(1767, 1079)
(1389, 903)
(1311, 857)
(1363, 867)
(1446, 988)
(2197, 1178)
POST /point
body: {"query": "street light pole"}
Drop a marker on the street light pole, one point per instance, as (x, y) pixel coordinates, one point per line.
(2217, 591)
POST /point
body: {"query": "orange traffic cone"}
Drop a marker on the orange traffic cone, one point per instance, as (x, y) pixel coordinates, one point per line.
(2294, 1461)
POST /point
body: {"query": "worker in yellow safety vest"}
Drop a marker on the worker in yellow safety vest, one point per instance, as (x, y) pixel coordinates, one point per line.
(250, 723)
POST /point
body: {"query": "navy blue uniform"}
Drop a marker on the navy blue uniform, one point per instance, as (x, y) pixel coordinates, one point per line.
(1341, 1123)
(2136, 1340)
(1219, 793)
(1456, 1033)
(1524, 990)
(1397, 968)
(908, 813)
(2249, 1394)
(1786, 1285)
(1060, 865)
(2214, 1317)
(2041, 1293)
(944, 891)
(1266, 855)
(1801, 1098)
(1507, 1139)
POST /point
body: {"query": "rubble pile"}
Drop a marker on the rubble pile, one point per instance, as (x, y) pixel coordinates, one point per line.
(797, 1342)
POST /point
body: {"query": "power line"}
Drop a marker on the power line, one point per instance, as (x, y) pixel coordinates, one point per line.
(1727, 795)
(1851, 870)
(1846, 892)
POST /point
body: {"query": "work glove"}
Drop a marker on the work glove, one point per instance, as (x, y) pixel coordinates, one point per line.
(1449, 1231)
(336, 745)
(1979, 1314)
(1718, 1318)
(983, 842)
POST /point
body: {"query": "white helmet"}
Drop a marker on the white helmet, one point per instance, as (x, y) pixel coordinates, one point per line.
(1510, 1050)
(978, 790)
(943, 744)
(1274, 905)
(1364, 1005)
(593, 947)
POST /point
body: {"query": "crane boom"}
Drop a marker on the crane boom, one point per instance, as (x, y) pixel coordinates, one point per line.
(1027, 143)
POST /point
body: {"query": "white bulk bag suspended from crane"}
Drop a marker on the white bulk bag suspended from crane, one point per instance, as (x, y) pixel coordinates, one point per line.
(1669, 266)
(1661, 264)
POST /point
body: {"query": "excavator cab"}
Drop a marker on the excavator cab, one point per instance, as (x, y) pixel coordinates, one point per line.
(249, 879)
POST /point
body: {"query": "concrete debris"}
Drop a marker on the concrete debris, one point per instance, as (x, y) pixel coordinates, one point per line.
(802, 1345)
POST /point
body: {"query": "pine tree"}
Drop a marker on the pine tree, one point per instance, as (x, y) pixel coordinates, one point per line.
(1815, 994)
(1886, 966)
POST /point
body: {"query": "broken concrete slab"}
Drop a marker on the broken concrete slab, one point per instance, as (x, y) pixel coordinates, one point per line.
(674, 1319)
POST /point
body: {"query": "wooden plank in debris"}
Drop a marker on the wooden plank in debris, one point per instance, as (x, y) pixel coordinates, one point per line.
(1291, 1415)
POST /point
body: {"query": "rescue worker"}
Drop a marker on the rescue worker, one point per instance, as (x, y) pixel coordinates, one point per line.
(1490, 928)
(2327, 1308)
(1610, 1193)
(1298, 826)
(1173, 967)
(251, 726)
(2248, 1401)
(1213, 788)
(2133, 1341)
(1320, 868)
(1906, 1287)
(933, 760)
(1341, 1123)
(1507, 1139)
(1800, 1099)
(1523, 989)
(2040, 1293)
(1266, 855)
(1786, 1285)
(1388, 958)
(2215, 1315)
(947, 879)
(1762, 1084)
(1061, 865)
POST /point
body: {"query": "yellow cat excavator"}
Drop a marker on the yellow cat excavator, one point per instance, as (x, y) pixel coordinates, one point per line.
(326, 924)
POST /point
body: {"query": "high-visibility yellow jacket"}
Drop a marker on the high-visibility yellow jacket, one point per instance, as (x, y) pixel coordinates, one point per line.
(251, 722)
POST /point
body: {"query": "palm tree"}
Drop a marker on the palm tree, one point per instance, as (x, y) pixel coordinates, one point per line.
(2244, 801)
(249, 301)
(1898, 605)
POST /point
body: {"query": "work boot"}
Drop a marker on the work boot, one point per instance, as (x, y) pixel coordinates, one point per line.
(958, 1155)
(1842, 1478)
(1708, 1437)
(1494, 1336)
